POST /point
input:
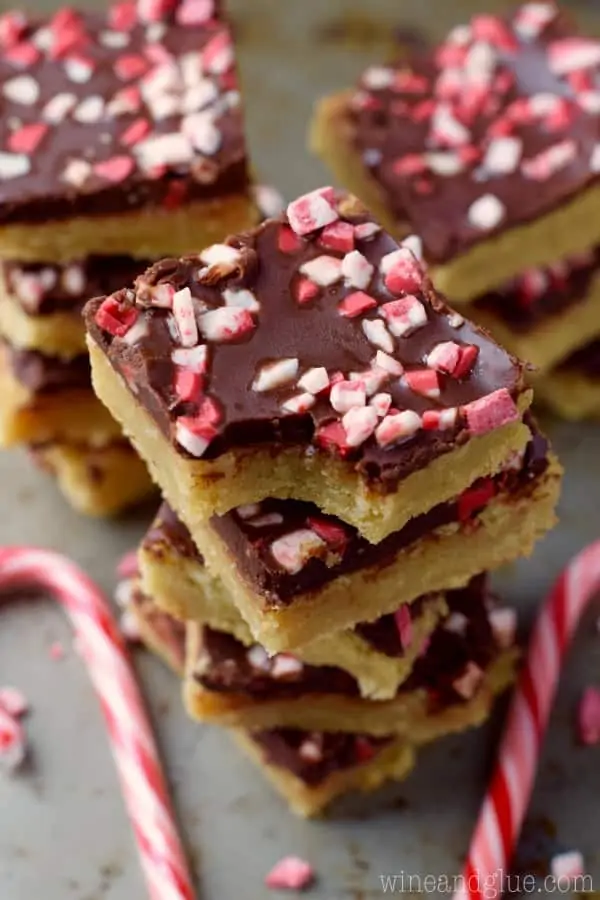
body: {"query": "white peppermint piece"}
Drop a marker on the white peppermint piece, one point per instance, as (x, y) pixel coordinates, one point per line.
(241, 299)
(589, 101)
(371, 380)
(155, 32)
(388, 363)
(248, 510)
(224, 324)
(455, 320)
(170, 149)
(268, 199)
(310, 751)
(347, 394)
(202, 132)
(301, 403)
(258, 658)
(293, 550)
(185, 317)
(381, 403)
(377, 334)
(566, 867)
(445, 164)
(283, 665)
(164, 106)
(457, 623)
(193, 358)
(90, 110)
(264, 521)
(595, 159)
(377, 78)
(396, 426)
(357, 270)
(323, 270)
(446, 128)
(274, 374)
(480, 62)
(14, 165)
(78, 70)
(314, 380)
(195, 444)
(503, 155)
(467, 684)
(220, 253)
(138, 330)
(73, 279)
(199, 95)
(57, 109)
(22, 89)
(503, 620)
(531, 19)
(486, 213)
(414, 244)
(116, 40)
(359, 424)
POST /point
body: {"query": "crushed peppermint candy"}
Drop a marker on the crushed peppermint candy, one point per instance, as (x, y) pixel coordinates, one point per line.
(13, 744)
(291, 873)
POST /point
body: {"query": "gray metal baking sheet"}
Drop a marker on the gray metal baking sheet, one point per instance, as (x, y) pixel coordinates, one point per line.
(63, 830)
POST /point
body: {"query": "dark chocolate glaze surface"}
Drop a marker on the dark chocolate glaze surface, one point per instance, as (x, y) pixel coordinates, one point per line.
(489, 79)
(105, 112)
(47, 374)
(228, 411)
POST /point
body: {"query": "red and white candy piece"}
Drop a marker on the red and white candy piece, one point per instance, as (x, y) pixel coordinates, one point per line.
(397, 426)
(227, 323)
(323, 270)
(312, 211)
(13, 744)
(404, 316)
(293, 550)
(132, 742)
(507, 798)
(490, 412)
(401, 271)
(377, 334)
(291, 873)
(275, 374)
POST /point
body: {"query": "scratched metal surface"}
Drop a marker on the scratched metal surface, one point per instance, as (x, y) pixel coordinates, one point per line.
(63, 831)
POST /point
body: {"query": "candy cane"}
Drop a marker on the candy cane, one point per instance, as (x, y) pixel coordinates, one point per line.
(507, 799)
(132, 742)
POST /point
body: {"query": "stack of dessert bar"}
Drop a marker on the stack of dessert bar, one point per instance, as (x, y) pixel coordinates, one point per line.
(121, 141)
(487, 146)
(341, 455)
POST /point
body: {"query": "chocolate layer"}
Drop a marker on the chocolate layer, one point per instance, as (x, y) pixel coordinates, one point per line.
(250, 543)
(424, 129)
(229, 408)
(45, 288)
(329, 752)
(250, 532)
(226, 665)
(585, 361)
(42, 374)
(105, 112)
(539, 294)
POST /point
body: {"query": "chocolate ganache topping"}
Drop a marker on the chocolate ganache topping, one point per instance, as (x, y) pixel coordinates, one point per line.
(332, 338)
(494, 127)
(105, 112)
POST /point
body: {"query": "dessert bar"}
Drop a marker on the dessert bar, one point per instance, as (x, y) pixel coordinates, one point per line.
(309, 769)
(45, 398)
(469, 658)
(97, 481)
(312, 769)
(310, 358)
(298, 576)
(486, 146)
(41, 303)
(545, 314)
(379, 655)
(121, 132)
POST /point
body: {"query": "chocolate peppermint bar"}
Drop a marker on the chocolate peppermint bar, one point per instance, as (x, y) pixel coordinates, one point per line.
(310, 358)
(230, 684)
(547, 312)
(297, 576)
(121, 131)
(486, 146)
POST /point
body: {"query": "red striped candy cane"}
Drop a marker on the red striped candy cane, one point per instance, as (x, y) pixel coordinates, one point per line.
(132, 742)
(504, 807)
